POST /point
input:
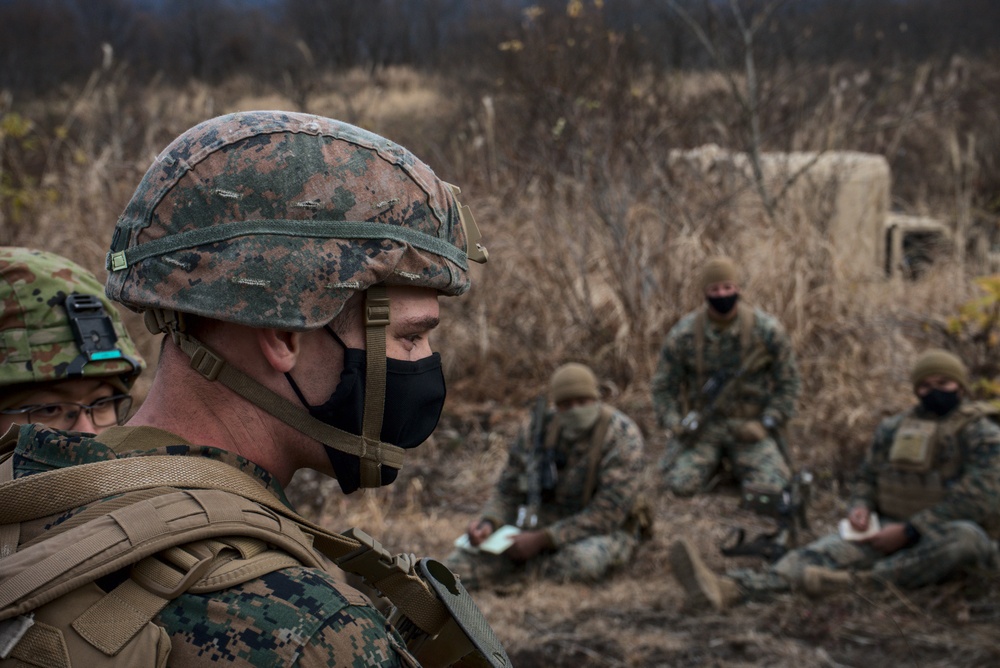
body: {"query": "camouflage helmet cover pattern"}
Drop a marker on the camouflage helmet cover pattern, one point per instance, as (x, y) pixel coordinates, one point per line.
(274, 219)
(37, 342)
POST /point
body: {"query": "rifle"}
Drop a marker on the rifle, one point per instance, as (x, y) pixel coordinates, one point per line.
(789, 512)
(541, 469)
(717, 390)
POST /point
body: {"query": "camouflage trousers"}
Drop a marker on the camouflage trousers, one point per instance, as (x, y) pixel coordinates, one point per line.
(759, 464)
(586, 560)
(938, 555)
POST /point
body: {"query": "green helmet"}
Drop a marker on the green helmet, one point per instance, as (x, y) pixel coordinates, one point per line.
(274, 219)
(56, 324)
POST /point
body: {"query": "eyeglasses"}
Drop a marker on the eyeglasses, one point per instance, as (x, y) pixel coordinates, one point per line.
(105, 412)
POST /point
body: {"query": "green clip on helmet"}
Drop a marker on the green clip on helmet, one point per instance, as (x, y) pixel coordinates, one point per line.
(273, 220)
(56, 325)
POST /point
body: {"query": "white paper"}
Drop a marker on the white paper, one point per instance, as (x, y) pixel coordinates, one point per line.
(847, 532)
(497, 543)
(500, 540)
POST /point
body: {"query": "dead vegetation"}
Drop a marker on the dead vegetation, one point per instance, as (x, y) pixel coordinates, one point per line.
(594, 245)
(638, 617)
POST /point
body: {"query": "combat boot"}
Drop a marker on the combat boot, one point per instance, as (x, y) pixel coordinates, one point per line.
(700, 584)
(818, 580)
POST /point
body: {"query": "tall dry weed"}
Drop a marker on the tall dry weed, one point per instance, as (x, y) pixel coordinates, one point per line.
(595, 240)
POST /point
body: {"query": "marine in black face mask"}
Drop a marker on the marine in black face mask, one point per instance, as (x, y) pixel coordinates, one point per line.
(940, 402)
(939, 381)
(414, 398)
(721, 290)
(384, 397)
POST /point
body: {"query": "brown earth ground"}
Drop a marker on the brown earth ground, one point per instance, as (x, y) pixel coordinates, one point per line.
(638, 617)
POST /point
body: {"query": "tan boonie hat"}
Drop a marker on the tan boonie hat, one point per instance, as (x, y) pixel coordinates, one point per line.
(719, 270)
(573, 381)
(939, 362)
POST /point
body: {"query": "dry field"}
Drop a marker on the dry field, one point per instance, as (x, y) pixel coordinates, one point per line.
(638, 617)
(593, 251)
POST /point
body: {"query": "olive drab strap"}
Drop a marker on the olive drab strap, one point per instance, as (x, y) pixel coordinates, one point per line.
(220, 504)
(376, 320)
(10, 534)
(967, 414)
(745, 316)
(552, 430)
(598, 436)
(213, 367)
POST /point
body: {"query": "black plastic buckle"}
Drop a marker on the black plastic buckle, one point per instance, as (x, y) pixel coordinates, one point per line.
(92, 328)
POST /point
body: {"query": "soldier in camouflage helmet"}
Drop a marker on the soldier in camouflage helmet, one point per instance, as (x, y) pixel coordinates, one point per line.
(573, 484)
(66, 360)
(294, 263)
(922, 509)
(725, 386)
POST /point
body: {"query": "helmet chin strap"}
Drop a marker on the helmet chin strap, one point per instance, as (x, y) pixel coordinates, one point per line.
(376, 320)
(368, 447)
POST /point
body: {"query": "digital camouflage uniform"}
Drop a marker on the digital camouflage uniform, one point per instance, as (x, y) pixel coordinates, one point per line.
(591, 537)
(294, 616)
(770, 391)
(965, 477)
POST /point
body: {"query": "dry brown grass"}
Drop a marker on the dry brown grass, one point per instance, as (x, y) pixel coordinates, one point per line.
(593, 252)
(638, 617)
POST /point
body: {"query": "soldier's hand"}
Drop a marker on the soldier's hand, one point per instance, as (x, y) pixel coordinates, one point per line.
(528, 544)
(859, 517)
(890, 539)
(751, 431)
(479, 530)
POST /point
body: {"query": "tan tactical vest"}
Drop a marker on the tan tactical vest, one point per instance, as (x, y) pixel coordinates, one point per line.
(641, 517)
(597, 437)
(186, 524)
(915, 474)
(742, 406)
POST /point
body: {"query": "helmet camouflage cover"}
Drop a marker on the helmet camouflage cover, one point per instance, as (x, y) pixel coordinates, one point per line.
(37, 338)
(274, 219)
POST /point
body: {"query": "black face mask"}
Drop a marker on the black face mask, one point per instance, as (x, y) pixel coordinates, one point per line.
(723, 304)
(940, 402)
(414, 397)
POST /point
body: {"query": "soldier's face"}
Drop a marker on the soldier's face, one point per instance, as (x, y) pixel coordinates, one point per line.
(71, 405)
(722, 289)
(937, 382)
(413, 315)
(567, 404)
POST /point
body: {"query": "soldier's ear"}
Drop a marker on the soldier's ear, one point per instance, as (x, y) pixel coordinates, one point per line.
(280, 348)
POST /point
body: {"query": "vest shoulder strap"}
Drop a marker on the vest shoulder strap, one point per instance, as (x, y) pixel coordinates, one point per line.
(700, 322)
(598, 436)
(746, 316)
(966, 414)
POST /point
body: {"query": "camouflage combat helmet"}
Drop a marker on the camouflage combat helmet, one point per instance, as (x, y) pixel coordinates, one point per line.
(56, 324)
(274, 219)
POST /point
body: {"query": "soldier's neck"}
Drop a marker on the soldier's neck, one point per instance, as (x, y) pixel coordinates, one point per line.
(721, 320)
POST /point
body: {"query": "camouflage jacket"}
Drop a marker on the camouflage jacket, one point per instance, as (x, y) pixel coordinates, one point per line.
(295, 616)
(972, 494)
(773, 389)
(565, 512)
